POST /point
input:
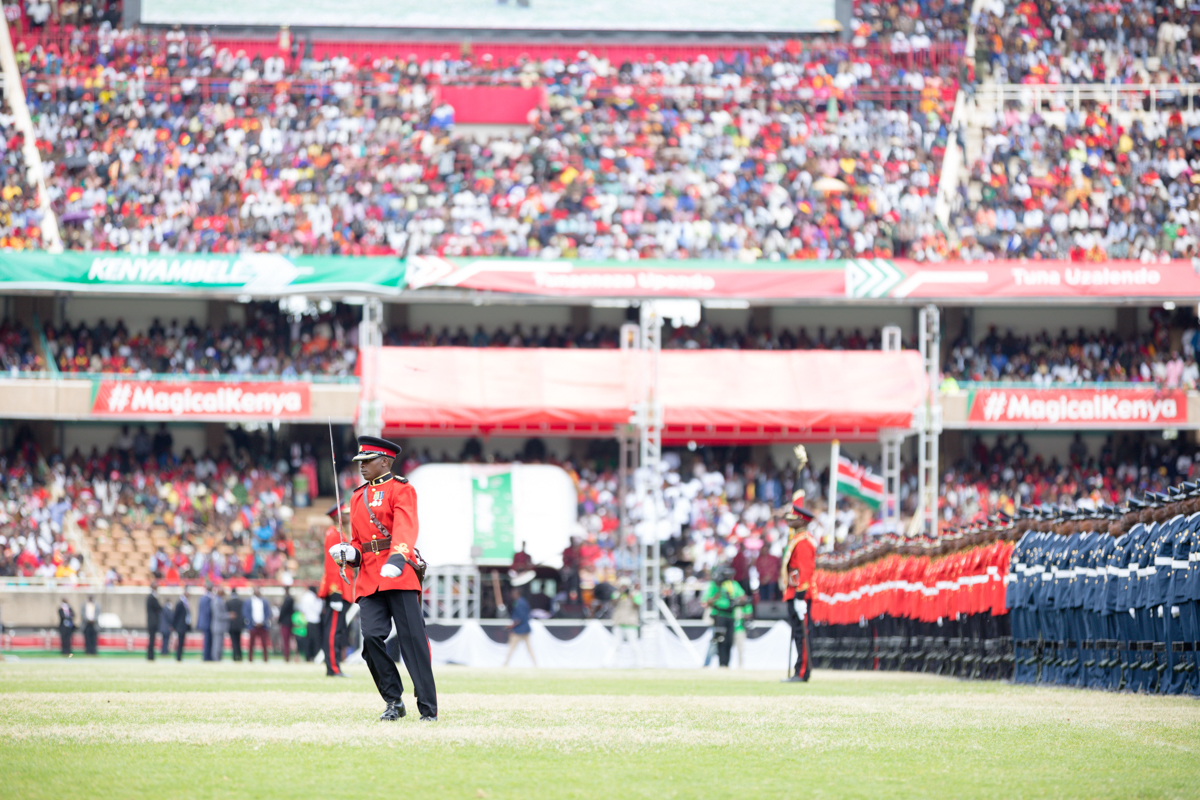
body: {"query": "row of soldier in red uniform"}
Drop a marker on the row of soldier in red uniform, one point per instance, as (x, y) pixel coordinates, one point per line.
(918, 604)
(921, 581)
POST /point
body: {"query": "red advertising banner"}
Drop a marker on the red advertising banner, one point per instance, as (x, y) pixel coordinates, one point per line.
(850, 280)
(491, 105)
(1047, 280)
(1077, 408)
(185, 400)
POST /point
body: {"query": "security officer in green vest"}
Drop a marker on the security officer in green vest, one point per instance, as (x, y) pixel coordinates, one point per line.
(723, 597)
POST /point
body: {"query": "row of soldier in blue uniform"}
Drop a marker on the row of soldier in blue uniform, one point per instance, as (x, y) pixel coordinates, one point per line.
(1109, 599)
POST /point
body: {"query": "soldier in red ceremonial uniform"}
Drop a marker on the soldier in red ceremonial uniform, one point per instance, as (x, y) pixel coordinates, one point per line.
(799, 564)
(383, 524)
(334, 590)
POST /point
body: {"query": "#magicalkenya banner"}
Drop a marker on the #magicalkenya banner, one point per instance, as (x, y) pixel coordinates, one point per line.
(1074, 408)
(167, 400)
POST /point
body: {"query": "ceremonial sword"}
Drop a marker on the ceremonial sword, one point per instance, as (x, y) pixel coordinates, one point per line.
(337, 496)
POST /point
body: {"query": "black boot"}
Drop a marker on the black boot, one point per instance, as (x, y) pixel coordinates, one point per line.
(393, 712)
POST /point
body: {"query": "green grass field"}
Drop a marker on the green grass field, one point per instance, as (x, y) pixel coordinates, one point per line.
(116, 728)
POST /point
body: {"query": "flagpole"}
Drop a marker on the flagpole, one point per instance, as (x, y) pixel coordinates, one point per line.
(835, 452)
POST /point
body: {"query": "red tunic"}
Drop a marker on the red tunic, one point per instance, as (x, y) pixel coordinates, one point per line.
(802, 562)
(394, 502)
(331, 580)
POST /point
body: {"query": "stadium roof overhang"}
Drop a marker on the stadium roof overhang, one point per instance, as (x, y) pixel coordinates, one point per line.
(709, 396)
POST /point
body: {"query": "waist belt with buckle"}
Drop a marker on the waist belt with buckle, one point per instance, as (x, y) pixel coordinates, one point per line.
(378, 545)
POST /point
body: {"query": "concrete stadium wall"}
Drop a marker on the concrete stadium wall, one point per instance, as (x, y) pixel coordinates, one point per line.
(102, 435)
(1032, 320)
(138, 314)
(37, 606)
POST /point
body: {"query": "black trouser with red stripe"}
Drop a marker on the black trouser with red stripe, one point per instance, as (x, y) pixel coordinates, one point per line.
(377, 612)
(333, 632)
(800, 636)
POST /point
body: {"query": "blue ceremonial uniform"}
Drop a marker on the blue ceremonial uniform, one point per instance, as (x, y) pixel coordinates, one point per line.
(1018, 595)
(1126, 635)
(1106, 604)
(1175, 678)
(1089, 547)
(1189, 609)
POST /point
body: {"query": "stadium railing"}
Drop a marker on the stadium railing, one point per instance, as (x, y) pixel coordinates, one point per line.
(967, 386)
(1118, 97)
(179, 377)
(206, 88)
(499, 54)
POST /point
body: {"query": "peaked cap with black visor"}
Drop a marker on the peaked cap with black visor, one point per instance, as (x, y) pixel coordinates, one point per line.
(370, 447)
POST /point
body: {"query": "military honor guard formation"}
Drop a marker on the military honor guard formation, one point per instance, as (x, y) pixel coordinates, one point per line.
(1108, 599)
(1105, 598)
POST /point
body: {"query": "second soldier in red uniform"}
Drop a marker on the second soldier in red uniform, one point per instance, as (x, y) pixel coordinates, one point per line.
(334, 590)
(383, 523)
(799, 563)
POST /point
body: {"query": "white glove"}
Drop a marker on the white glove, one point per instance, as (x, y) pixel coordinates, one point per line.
(343, 554)
(390, 571)
(336, 605)
(801, 457)
(801, 607)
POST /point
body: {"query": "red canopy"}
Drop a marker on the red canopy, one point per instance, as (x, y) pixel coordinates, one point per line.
(707, 395)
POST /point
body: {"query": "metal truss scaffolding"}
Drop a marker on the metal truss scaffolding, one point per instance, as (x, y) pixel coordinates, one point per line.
(930, 422)
(890, 442)
(370, 340)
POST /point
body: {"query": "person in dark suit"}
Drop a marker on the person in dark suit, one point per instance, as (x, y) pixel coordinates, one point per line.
(166, 624)
(286, 609)
(153, 618)
(204, 622)
(236, 622)
(66, 626)
(91, 617)
(181, 623)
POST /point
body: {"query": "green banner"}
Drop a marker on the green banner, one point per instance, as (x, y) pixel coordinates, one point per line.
(492, 502)
(240, 274)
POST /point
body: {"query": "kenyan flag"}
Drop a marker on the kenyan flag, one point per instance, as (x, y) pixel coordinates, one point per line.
(858, 482)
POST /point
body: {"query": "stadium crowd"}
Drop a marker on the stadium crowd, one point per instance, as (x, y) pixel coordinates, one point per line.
(1084, 41)
(908, 26)
(189, 148)
(268, 343)
(1006, 476)
(224, 516)
(176, 142)
(1087, 190)
(1082, 357)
